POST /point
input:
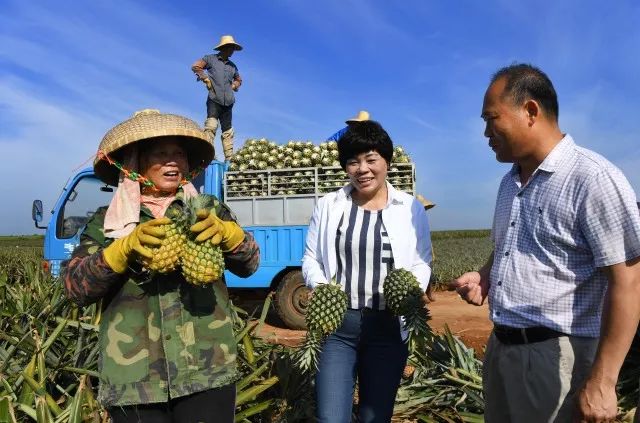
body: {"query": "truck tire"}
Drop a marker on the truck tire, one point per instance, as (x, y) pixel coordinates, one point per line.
(291, 300)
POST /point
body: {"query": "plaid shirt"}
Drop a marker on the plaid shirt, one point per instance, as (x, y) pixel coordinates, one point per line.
(221, 74)
(553, 236)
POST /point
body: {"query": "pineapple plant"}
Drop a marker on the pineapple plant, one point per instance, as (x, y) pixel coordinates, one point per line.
(166, 256)
(403, 297)
(202, 262)
(324, 316)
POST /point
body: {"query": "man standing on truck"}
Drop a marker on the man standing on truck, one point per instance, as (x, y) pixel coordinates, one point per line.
(221, 79)
(362, 116)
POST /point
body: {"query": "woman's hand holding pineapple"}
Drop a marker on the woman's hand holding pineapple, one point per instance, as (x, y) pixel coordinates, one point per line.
(221, 232)
(118, 254)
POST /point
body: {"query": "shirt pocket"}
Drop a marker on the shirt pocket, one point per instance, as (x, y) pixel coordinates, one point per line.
(555, 228)
(229, 71)
(212, 71)
(125, 345)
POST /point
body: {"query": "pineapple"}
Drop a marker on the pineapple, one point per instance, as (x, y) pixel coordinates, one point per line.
(166, 256)
(400, 156)
(202, 262)
(324, 316)
(403, 297)
(326, 308)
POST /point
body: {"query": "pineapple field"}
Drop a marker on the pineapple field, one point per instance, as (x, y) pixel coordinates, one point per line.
(48, 351)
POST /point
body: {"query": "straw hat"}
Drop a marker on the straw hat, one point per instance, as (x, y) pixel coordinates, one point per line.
(228, 39)
(362, 115)
(425, 203)
(148, 124)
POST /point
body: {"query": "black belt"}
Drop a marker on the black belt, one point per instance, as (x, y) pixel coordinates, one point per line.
(516, 336)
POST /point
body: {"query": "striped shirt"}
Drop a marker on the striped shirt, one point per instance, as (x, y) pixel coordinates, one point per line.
(552, 237)
(364, 256)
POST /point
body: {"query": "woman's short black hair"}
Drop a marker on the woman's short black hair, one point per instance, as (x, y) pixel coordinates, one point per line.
(363, 137)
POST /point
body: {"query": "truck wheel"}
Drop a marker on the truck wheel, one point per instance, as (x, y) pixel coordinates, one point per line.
(291, 300)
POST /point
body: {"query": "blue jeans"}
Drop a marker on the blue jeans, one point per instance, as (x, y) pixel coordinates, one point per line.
(367, 346)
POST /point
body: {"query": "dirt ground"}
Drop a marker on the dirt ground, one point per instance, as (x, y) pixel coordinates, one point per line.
(469, 322)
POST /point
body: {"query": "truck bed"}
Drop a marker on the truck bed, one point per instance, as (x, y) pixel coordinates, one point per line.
(278, 197)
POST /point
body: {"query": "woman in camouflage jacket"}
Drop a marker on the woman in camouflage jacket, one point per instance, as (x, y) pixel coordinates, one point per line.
(167, 348)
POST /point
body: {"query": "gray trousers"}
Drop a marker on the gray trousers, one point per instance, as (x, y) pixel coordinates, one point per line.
(535, 382)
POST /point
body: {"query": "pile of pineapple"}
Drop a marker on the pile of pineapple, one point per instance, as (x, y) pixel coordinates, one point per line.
(263, 154)
(261, 168)
(199, 262)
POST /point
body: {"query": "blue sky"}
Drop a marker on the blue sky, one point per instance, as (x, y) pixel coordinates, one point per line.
(70, 72)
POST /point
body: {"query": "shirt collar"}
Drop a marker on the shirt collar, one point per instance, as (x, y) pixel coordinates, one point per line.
(555, 158)
(179, 197)
(392, 198)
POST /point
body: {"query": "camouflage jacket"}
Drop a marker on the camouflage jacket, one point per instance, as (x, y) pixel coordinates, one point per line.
(160, 337)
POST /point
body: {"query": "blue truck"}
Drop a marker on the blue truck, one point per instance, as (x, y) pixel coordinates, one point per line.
(279, 222)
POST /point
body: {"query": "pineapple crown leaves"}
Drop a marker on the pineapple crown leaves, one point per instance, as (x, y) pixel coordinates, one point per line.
(176, 213)
(306, 357)
(195, 203)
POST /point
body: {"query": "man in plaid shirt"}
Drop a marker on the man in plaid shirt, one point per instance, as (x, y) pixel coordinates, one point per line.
(563, 280)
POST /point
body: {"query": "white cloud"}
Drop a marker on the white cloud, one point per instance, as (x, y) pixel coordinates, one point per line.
(420, 121)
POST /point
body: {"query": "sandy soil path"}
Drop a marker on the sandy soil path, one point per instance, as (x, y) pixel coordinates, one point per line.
(469, 322)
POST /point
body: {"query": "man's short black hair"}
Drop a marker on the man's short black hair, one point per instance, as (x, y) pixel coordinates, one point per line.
(366, 136)
(524, 82)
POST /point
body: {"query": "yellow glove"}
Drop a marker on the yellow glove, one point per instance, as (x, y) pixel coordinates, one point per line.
(221, 232)
(208, 83)
(118, 254)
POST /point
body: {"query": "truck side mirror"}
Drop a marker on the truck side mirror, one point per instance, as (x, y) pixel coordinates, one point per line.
(36, 213)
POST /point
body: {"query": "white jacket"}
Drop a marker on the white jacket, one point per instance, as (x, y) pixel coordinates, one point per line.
(404, 219)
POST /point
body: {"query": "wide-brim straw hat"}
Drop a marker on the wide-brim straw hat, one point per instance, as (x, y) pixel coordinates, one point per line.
(362, 116)
(150, 124)
(226, 40)
(425, 203)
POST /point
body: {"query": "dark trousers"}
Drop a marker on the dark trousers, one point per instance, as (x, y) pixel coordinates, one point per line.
(220, 112)
(212, 406)
(367, 346)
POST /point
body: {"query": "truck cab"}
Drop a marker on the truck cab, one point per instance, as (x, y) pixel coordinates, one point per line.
(81, 196)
